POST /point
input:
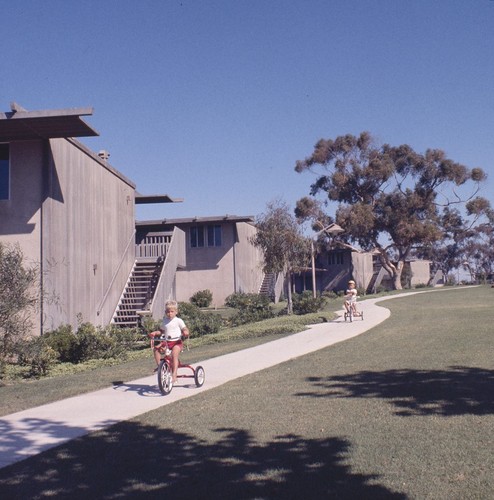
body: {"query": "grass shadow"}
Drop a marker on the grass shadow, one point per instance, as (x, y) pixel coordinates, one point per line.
(459, 390)
(130, 460)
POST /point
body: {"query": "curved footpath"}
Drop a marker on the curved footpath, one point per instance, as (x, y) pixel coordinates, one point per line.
(32, 431)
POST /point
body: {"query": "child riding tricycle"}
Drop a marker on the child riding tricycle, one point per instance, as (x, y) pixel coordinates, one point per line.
(351, 302)
(167, 344)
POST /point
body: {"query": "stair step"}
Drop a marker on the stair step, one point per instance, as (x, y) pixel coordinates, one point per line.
(139, 291)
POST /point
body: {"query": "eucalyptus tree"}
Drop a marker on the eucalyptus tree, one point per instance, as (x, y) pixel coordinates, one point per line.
(392, 200)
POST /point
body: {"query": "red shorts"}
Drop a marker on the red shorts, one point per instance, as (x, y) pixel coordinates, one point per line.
(160, 345)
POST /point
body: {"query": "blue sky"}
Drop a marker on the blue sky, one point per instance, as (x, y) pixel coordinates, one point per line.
(213, 101)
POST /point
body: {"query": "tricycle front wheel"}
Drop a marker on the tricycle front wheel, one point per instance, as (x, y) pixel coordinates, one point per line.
(165, 378)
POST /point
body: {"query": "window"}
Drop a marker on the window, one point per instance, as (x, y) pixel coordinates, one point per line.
(214, 236)
(196, 236)
(4, 172)
(202, 235)
(335, 258)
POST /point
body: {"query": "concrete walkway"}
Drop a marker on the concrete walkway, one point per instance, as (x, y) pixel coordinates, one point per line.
(32, 431)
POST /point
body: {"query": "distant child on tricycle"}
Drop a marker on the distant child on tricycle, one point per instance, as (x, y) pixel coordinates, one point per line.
(351, 297)
(351, 302)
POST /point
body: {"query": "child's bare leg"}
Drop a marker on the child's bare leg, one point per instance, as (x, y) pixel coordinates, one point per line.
(157, 357)
(175, 361)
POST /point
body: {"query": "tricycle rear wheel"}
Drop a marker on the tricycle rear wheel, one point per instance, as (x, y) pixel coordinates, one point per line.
(199, 376)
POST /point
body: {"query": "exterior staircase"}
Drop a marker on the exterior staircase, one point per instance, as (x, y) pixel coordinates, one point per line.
(138, 293)
(268, 285)
(376, 280)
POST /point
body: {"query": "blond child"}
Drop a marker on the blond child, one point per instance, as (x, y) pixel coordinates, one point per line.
(172, 329)
(351, 297)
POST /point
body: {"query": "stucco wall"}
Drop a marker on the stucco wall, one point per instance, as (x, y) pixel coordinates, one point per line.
(420, 272)
(74, 217)
(20, 216)
(207, 268)
(232, 267)
(249, 260)
(362, 269)
(88, 228)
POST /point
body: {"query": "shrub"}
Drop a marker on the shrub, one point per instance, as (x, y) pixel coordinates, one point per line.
(94, 343)
(235, 300)
(126, 339)
(202, 298)
(62, 341)
(251, 307)
(205, 324)
(38, 355)
(199, 323)
(89, 342)
(305, 303)
(249, 300)
(148, 324)
(250, 315)
(187, 311)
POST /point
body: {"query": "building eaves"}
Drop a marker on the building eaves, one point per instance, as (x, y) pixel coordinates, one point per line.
(21, 125)
(142, 199)
(198, 220)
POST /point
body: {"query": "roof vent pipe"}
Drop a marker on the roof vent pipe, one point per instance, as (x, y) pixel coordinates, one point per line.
(104, 155)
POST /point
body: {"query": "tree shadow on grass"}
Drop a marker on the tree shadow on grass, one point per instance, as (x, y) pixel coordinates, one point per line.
(131, 460)
(458, 390)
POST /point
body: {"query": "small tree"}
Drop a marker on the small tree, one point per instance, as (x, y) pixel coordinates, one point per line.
(467, 240)
(284, 247)
(19, 297)
(479, 253)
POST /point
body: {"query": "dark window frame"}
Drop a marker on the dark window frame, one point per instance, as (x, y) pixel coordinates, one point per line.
(197, 236)
(336, 259)
(214, 235)
(4, 171)
(210, 235)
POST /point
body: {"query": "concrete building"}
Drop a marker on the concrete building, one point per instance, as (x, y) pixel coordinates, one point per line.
(333, 269)
(73, 215)
(218, 255)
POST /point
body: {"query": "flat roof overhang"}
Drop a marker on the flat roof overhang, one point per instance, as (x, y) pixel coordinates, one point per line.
(142, 199)
(21, 125)
(195, 220)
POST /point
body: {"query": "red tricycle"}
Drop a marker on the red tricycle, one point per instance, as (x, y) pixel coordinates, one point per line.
(352, 312)
(165, 368)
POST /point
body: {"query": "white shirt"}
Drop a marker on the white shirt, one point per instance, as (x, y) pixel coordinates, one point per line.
(351, 295)
(173, 328)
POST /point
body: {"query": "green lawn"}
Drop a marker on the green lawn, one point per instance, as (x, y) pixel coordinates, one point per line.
(405, 410)
(70, 380)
